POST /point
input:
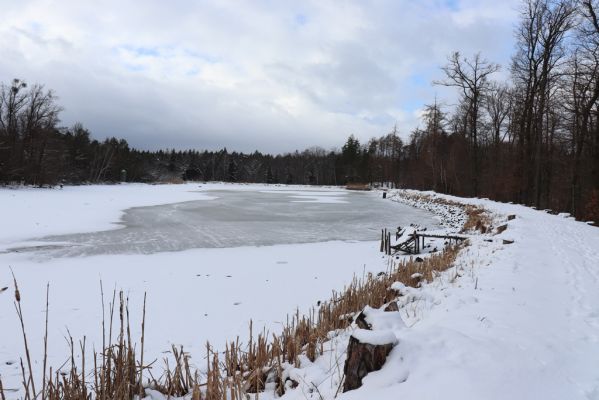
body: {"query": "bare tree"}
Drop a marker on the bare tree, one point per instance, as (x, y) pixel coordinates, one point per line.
(498, 105)
(12, 99)
(588, 69)
(539, 55)
(471, 77)
(38, 120)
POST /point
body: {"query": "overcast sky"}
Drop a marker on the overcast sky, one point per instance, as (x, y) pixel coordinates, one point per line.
(269, 75)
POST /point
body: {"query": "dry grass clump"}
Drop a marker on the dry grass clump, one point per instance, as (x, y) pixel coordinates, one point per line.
(116, 373)
(477, 220)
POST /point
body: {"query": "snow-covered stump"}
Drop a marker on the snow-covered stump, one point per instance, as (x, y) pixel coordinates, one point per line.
(367, 351)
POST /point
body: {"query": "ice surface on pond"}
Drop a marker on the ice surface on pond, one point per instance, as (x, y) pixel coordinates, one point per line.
(244, 218)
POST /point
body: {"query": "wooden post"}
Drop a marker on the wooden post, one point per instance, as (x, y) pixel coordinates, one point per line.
(387, 244)
(382, 240)
(386, 241)
(416, 242)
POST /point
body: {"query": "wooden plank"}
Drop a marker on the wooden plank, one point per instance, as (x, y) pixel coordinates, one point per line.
(431, 235)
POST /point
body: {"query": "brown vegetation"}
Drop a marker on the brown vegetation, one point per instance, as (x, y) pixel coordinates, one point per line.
(358, 186)
(478, 220)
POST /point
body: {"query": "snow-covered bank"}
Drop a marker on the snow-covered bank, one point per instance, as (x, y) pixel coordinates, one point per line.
(510, 321)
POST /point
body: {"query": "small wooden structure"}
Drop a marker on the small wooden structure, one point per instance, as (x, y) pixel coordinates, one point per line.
(358, 186)
(414, 243)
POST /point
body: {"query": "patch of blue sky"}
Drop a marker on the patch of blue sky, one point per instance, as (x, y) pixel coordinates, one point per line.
(411, 105)
(141, 51)
(208, 58)
(420, 88)
(193, 72)
(300, 19)
(167, 52)
(419, 80)
(35, 26)
(144, 51)
(134, 67)
(453, 5)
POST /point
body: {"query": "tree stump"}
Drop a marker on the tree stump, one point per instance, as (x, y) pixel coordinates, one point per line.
(363, 358)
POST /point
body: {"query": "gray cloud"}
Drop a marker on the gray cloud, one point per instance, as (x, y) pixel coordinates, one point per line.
(273, 76)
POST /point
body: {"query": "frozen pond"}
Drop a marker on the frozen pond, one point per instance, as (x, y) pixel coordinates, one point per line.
(244, 218)
(210, 258)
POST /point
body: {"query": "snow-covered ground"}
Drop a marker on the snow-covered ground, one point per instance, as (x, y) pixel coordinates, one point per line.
(196, 294)
(510, 321)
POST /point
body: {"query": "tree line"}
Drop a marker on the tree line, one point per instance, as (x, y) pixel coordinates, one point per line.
(531, 139)
(35, 150)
